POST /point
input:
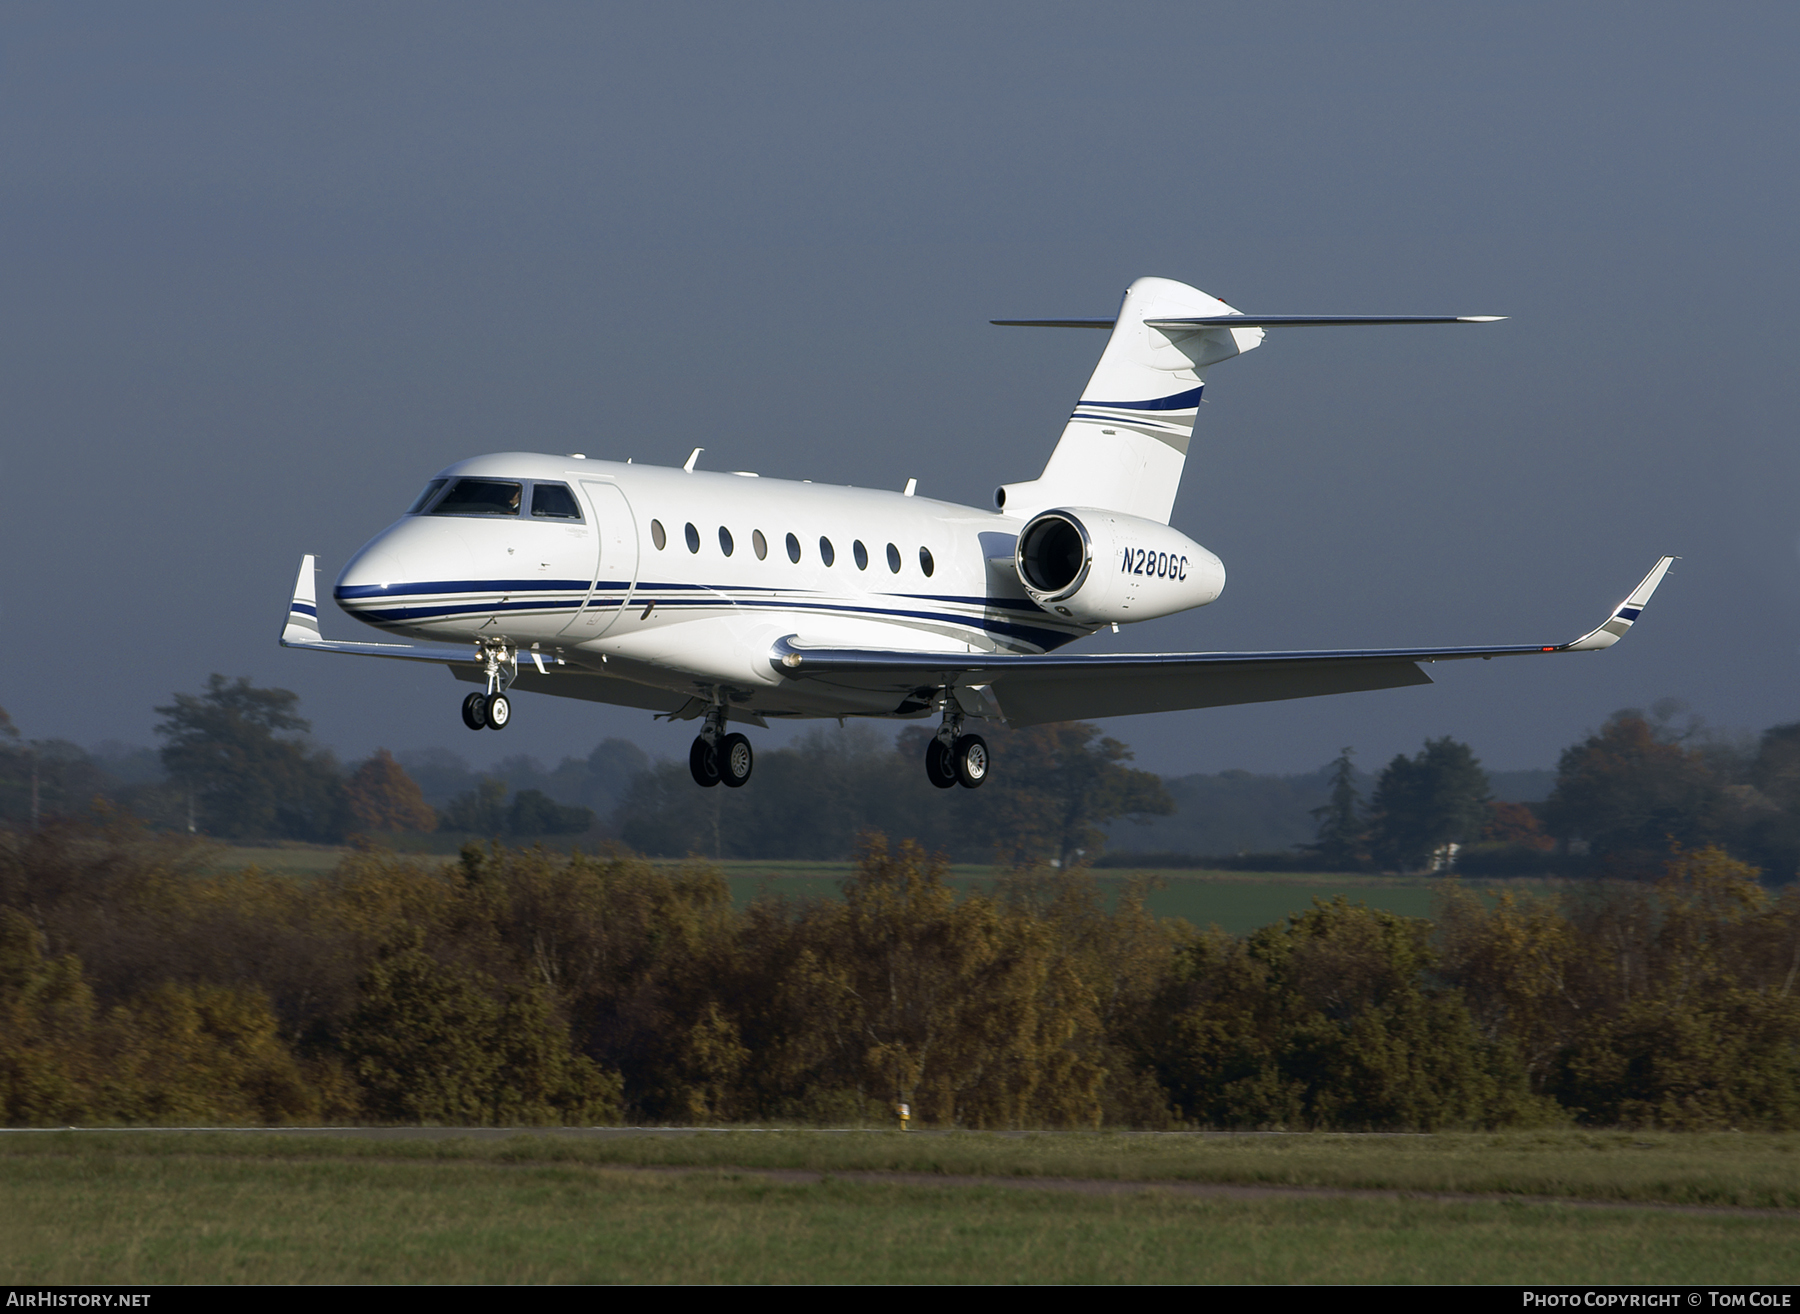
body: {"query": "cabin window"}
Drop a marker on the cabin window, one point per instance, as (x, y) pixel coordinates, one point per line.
(861, 554)
(925, 562)
(725, 543)
(431, 491)
(657, 536)
(793, 547)
(480, 497)
(760, 543)
(693, 537)
(554, 502)
(893, 558)
(825, 551)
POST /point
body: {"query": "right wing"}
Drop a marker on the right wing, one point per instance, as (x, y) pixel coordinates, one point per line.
(1031, 689)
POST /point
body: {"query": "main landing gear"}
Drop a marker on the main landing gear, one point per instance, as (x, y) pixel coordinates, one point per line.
(953, 758)
(492, 710)
(718, 758)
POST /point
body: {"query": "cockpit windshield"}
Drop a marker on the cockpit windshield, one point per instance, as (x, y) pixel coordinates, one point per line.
(424, 498)
(480, 497)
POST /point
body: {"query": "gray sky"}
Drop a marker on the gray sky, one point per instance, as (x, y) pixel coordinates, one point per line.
(267, 268)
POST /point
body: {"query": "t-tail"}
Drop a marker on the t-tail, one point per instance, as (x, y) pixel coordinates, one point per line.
(1126, 443)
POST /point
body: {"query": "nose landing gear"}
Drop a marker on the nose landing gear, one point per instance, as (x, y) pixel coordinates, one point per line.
(493, 710)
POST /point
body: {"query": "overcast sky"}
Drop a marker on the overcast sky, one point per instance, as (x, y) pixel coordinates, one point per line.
(265, 269)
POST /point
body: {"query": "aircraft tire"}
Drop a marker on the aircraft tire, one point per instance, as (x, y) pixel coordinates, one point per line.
(474, 710)
(735, 760)
(703, 763)
(499, 712)
(970, 756)
(939, 769)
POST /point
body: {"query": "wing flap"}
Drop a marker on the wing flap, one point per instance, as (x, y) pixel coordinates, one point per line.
(1036, 687)
(1030, 699)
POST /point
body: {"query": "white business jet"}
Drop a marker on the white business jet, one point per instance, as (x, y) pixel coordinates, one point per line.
(724, 597)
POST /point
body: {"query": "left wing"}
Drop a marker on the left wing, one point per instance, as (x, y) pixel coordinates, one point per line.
(1034, 688)
(556, 677)
(302, 631)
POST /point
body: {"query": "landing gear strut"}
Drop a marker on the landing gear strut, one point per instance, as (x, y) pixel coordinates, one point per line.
(953, 758)
(717, 758)
(493, 710)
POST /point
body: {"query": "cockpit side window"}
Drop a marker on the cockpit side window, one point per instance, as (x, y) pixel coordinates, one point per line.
(480, 497)
(554, 502)
(431, 491)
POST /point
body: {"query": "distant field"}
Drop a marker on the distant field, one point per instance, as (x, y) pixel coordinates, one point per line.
(1235, 901)
(257, 1208)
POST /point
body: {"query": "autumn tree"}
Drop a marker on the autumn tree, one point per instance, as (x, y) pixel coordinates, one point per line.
(481, 811)
(238, 750)
(382, 797)
(1626, 793)
(1770, 833)
(1057, 785)
(44, 777)
(1515, 823)
(1436, 798)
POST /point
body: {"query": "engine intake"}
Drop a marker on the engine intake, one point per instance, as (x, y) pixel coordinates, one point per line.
(1054, 556)
(1100, 567)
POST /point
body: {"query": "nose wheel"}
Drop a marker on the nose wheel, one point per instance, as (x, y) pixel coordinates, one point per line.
(492, 709)
(482, 712)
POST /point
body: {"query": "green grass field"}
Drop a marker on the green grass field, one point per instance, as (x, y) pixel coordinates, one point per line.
(1237, 902)
(101, 1207)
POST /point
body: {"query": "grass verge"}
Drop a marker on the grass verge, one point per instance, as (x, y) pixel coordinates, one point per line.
(1744, 1170)
(116, 1210)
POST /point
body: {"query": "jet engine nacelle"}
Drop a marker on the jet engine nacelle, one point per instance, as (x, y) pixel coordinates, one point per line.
(1100, 566)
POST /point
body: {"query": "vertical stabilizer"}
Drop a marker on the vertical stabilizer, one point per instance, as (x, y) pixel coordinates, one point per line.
(1127, 441)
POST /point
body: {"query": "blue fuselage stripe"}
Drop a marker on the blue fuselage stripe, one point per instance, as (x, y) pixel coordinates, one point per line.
(425, 611)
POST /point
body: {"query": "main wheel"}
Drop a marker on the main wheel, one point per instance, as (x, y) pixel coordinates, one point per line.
(970, 756)
(735, 760)
(475, 711)
(499, 711)
(939, 769)
(703, 762)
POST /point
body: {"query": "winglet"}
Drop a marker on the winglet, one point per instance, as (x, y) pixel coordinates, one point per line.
(1623, 615)
(303, 611)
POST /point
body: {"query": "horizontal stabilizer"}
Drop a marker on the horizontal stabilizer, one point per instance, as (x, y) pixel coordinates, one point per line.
(1313, 321)
(1256, 321)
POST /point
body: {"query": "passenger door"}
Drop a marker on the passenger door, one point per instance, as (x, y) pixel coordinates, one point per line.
(615, 570)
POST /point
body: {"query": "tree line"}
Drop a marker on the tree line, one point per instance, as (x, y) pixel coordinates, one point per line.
(1622, 796)
(518, 986)
(235, 763)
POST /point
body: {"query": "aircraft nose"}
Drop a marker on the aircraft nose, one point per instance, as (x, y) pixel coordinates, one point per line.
(373, 569)
(370, 584)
